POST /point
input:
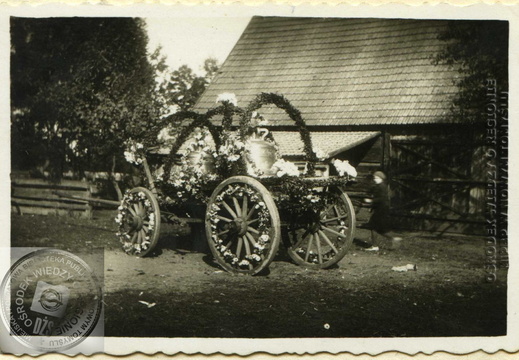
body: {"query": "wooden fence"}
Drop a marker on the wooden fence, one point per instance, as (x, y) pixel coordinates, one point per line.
(438, 185)
(38, 196)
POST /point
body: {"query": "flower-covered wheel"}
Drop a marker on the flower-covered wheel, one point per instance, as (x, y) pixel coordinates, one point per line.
(320, 239)
(242, 225)
(139, 221)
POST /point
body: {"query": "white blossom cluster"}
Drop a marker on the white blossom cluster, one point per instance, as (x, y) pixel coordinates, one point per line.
(321, 154)
(285, 168)
(227, 97)
(258, 120)
(134, 153)
(231, 149)
(344, 168)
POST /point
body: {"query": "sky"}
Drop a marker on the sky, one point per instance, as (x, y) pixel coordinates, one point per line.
(189, 40)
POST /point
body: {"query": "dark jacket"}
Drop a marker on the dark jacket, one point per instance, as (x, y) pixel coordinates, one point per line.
(379, 220)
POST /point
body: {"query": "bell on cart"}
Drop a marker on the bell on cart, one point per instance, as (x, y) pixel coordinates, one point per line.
(199, 158)
(262, 153)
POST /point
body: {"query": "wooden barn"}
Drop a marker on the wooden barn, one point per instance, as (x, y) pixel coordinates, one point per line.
(370, 93)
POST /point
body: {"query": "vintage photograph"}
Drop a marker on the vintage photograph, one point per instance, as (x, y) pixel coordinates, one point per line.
(268, 176)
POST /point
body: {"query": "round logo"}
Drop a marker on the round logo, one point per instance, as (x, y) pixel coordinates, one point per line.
(51, 300)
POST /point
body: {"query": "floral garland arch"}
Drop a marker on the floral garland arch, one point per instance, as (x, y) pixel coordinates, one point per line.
(229, 109)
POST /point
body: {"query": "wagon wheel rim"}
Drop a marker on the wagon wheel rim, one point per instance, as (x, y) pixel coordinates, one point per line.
(242, 225)
(322, 240)
(139, 222)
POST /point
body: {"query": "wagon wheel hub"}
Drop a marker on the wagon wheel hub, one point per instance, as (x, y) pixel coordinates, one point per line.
(315, 227)
(137, 222)
(239, 226)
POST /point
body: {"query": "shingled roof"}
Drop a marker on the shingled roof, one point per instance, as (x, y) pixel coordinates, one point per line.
(340, 71)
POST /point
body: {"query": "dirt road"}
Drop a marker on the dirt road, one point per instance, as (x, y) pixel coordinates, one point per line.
(361, 297)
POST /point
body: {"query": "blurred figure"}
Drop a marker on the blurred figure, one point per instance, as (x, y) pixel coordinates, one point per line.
(380, 223)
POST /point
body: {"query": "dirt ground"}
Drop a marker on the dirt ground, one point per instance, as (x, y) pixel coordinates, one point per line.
(361, 297)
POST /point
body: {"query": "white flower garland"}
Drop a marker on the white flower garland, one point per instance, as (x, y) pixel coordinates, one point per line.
(187, 181)
(125, 217)
(263, 226)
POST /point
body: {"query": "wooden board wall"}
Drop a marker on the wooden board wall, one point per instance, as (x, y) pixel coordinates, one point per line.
(36, 196)
(436, 184)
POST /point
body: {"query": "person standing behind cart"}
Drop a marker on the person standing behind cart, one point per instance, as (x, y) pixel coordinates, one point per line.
(380, 222)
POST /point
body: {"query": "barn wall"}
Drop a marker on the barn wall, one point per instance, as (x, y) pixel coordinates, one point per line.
(437, 179)
(436, 176)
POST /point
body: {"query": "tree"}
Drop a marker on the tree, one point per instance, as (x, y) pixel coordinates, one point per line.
(479, 50)
(186, 87)
(180, 90)
(79, 88)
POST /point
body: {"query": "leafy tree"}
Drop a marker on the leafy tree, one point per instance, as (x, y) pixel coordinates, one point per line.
(211, 68)
(79, 88)
(186, 87)
(181, 90)
(479, 50)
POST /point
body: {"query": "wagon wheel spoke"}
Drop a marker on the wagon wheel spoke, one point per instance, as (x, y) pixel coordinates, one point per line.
(247, 245)
(142, 236)
(223, 218)
(309, 247)
(325, 212)
(334, 219)
(251, 238)
(252, 221)
(132, 211)
(229, 242)
(305, 235)
(228, 208)
(236, 206)
(336, 210)
(247, 250)
(244, 205)
(238, 247)
(328, 241)
(251, 229)
(250, 213)
(333, 232)
(318, 243)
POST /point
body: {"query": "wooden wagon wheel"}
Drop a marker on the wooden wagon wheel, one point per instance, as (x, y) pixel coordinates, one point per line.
(321, 239)
(242, 225)
(139, 221)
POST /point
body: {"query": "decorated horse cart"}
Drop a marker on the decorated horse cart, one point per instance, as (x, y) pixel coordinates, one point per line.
(232, 180)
